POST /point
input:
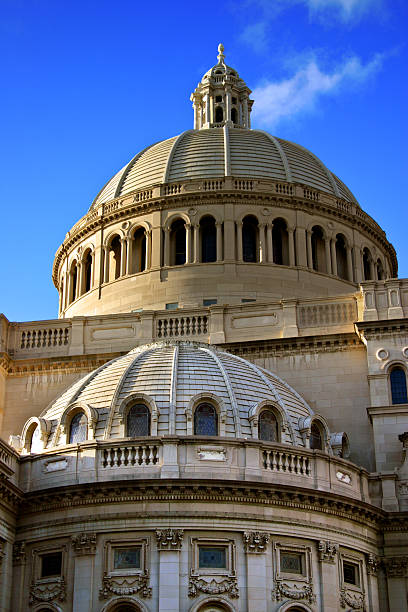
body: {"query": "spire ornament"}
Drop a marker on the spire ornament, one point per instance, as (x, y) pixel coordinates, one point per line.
(221, 56)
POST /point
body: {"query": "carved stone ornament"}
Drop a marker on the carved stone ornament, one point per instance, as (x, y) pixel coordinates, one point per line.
(131, 585)
(212, 586)
(47, 591)
(169, 539)
(2, 550)
(286, 591)
(19, 553)
(396, 567)
(355, 601)
(255, 541)
(84, 543)
(372, 563)
(327, 551)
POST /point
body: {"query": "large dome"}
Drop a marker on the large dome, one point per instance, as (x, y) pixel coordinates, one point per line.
(169, 377)
(218, 152)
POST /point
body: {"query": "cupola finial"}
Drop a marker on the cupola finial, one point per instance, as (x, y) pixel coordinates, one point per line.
(220, 56)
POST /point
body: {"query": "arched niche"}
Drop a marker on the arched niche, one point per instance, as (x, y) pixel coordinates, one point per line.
(313, 428)
(212, 400)
(71, 412)
(254, 416)
(138, 399)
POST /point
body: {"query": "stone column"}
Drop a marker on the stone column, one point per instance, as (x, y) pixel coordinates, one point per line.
(84, 546)
(122, 256)
(169, 542)
(80, 279)
(309, 249)
(148, 245)
(167, 246)
(218, 227)
(207, 103)
(227, 105)
(245, 112)
(19, 566)
(255, 545)
(262, 244)
(291, 246)
(196, 258)
(358, 264)
(188, 243)
(229, 240)
(239, 241)
(372, 566)
(129, 253)
(269, 241)
(333, 256)
(328, 256)
(301, 251)
(397, 573)
(329, 588)
(349, 264)
(372, 270)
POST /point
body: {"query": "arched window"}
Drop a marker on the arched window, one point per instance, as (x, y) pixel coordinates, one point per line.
(87, 275)
(318, 250)
(178, 242)
(205, 420)
(341, 256)
(250, 239)
(138, 246)
(219, 115)
(234, 115)
(36, 444)
(208, 239)
(78, 430)
(316, 437)
(73, 274)
(367, 264)
(380, 270)
(115, 256)
(138, 421)
(398, 383)
(268, 426)
(280, 241)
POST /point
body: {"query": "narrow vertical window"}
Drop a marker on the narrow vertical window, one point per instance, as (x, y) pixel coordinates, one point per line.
(249, 239)
(398, 382)
(341, 257)
(208, 240)
(205, 420)
(268, 426)
(316, 438)
(280, 241)
(138, 421)
(78, 431)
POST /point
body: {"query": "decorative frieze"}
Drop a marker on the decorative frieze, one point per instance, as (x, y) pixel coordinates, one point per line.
(44, 592)
(169, 539)
(372, 564)
(2, 550)
(327, 551)
(19, 553)
(255, 541)
(130, 585)
(84, 543)
(355, 601)
(212, 586)
(295, 592)
(396, 567)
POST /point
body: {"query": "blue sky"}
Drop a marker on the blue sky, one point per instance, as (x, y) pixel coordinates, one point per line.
(86, 85)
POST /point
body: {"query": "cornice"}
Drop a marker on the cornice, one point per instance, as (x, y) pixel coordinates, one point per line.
(391, 327)
(50, 365)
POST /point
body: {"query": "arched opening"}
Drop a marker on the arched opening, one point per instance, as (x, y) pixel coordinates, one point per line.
(73, 282)
(341, 256)
(316, 437)
(36, 445)
(138, 421)
(139, 251)
(398, 383)
(115, 255)
(250, 239)
(208, 239)
(125, 607)
(205, 420)
(178, 242)
(234, 115)
(318, 250)
(78, 430)
(367, 264)
(380, 270)
(219, 114)
(215, 606)
(87, 274)
(268, 426)
(280, 241)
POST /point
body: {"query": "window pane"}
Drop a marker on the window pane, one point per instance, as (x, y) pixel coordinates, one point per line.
(398, 386)
(138, 421)
(268, 426)
(350, 573)
(316, 437)
(79, 428)
(291, 563)
(51, 564)
(205, 421)
(214, 557)
(127, 558)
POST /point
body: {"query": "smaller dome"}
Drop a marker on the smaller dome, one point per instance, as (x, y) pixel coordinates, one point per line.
(172, 378)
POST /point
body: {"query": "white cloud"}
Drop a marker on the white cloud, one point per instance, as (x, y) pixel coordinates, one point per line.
(345, 10)
(255, 36)
(275, 101)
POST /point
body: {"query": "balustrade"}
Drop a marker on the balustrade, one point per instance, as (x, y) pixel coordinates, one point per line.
(285, 462)
(130, 455)
(41, 338)
(182, 326)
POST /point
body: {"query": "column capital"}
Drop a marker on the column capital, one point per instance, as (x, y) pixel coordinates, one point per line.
(169, 539)
(255, 541)
(327, 551)
(84, 543)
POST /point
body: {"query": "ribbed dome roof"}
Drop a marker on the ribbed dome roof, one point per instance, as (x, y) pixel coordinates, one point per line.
(217, 152)
(171, 374)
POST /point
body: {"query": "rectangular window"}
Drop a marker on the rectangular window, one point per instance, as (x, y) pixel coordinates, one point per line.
(51, 564)
(172, 306)
(350, 573)
(291, 563)
(247, 300)
(209, 302)
(127, 558)
(214, 557)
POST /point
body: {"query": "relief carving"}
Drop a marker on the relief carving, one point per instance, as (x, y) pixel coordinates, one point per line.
(372, 563)
(19, 553)
(355, 601)
(84, 543)
(47, 591)
(211, 586)
(131, 585)
(255, 541)
(283, 591)
(327, 551)
(2, 550)
(396, 567)
(169, 539)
